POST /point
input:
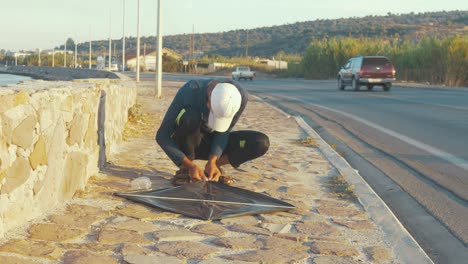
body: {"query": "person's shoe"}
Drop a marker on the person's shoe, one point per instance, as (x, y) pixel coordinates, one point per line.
(224, 179)
(181, 177)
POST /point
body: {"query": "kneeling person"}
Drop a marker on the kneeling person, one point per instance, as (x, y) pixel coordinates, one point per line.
(198, 125)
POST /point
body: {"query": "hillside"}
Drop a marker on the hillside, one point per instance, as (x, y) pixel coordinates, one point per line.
(294, 38)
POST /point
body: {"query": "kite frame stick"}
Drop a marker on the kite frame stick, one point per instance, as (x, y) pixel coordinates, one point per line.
(207, 201)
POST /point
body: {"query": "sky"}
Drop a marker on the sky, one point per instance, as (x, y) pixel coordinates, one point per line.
(45, 24)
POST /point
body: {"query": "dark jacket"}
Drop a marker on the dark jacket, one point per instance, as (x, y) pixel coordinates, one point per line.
(193, 96)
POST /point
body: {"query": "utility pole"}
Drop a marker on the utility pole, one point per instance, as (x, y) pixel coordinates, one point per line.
(138, 44)
(192, 48)
(110, 41)
(123, 38)
(65, 56)
(159, 53)
(90, 51)
(247, 44)
(76, 55)
(144, 56)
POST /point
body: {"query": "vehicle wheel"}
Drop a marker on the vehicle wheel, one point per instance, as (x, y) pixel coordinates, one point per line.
(370, 87)
(355, 84)
(341, 86)
(387, 87)
(234, 78)
(251, 78)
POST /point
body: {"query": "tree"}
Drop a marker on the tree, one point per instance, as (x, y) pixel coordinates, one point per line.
(70, 43)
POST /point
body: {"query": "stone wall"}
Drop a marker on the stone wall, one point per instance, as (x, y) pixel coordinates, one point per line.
(53, 136)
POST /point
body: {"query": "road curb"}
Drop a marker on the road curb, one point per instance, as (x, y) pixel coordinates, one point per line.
(405, 247)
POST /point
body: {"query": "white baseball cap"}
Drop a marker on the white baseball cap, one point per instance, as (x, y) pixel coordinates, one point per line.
(225, 102)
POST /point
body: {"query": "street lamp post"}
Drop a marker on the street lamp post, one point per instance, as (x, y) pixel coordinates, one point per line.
(65, 56)
(138, 44)
(90, 50)
(39, 57)
(123, 38)
(159, 69)
(76, 54)
(110, 41)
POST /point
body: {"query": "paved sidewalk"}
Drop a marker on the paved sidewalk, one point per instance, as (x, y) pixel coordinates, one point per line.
(328, 226)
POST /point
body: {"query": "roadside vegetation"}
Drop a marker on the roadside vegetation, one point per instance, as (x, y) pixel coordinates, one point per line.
(341, 188)
(431, 59)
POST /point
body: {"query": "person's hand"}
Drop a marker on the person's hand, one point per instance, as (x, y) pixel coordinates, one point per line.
(194, 171)
(212, 171)
(197, 174)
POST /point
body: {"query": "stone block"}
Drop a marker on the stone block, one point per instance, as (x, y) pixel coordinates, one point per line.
(270, 256)
(16, 175)
(176, 235)
(333, 248)
(91, 135)
(210, 229)
(143, 259)
(277, 228)
(237, 243)
(13, 117)
(8, 102)
(16, 260)
(250, 230)
(40, 249)
(318, 229)
(75, 173)
(113, 236)
(241, 220)
(54, 232)
(67, 104)
(39, 154)
(23, 134)
(79, 216)
(22, 97)
(126, 223)
(282, 244)
(335, 260)
(85, 257)
(78, 128)
(187, 249)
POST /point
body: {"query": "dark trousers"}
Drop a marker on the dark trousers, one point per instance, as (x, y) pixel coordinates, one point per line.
(242, 145)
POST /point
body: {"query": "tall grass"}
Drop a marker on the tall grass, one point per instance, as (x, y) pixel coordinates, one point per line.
(431, 59)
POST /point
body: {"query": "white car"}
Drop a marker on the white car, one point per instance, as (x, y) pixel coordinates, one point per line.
(243, 72)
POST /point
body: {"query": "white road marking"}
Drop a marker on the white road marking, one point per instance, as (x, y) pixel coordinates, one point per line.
(419, 102)
(461, 163)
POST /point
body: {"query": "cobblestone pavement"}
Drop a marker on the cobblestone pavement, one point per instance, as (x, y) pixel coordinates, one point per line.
(328, 226)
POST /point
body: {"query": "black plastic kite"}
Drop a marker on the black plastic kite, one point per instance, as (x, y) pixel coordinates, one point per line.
(208, 200)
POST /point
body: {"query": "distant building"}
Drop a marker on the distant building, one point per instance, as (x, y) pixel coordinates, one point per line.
(19, 54)
(148, 61)
(214, 66)
(276, 64)
(49, 52)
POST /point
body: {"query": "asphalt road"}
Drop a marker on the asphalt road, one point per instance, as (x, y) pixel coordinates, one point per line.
(409, 144)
